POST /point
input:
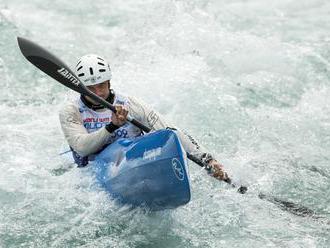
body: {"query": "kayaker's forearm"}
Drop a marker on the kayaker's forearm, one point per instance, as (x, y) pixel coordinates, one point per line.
(194, 148)
(79, 139)
(89, 143)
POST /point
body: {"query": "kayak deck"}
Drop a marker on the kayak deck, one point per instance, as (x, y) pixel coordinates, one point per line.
(149, 171)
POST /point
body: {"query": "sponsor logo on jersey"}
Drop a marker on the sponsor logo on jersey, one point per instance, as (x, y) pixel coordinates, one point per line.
(91, 123)
(152, 118)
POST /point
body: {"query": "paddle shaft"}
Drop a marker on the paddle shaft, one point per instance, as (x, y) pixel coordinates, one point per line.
(82, 89)
(85, 91)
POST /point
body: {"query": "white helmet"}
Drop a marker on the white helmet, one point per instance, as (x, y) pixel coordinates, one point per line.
(93, 69)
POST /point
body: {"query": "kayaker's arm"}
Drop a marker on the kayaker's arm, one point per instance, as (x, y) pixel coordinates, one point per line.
(75, 133)
(139, 111)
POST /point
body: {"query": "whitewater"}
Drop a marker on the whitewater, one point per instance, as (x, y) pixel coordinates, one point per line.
(250, 80)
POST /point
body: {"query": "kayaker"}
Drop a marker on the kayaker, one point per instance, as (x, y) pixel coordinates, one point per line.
(88, 126)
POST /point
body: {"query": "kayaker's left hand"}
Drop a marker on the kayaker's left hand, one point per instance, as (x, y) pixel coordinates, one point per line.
(218, 172)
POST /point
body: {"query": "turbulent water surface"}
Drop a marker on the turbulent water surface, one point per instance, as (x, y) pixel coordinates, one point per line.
(249, 79)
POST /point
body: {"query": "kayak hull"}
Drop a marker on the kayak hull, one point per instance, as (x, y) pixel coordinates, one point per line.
(149, 171)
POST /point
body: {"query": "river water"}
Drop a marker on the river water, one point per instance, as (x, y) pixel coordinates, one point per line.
(249, 79)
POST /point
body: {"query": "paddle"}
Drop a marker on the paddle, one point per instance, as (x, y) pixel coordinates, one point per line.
(58, 70)
(55, 68)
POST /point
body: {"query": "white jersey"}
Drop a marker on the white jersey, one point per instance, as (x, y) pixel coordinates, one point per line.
(84, 128)
(94, 120)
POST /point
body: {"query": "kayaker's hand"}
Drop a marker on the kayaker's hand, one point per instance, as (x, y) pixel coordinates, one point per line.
(120, 117)
(218, 172)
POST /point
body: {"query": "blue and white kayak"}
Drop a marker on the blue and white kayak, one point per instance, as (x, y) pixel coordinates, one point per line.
(149, 171)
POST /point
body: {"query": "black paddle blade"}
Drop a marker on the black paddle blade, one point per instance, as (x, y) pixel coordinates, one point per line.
(58, 70)
(291, 207)
(48, 63)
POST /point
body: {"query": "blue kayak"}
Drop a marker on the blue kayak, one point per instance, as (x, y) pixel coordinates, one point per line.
(149, 171)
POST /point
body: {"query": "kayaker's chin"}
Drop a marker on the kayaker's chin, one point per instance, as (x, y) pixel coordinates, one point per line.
(91, 101)
(95, 102)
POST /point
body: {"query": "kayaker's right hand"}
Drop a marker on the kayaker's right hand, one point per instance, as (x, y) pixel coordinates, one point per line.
(218, 172)
(120, 117)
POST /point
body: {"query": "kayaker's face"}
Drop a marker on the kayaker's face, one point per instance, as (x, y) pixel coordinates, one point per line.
(102, 90)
